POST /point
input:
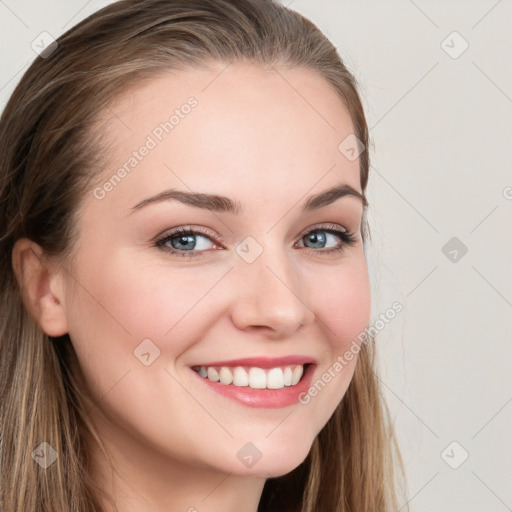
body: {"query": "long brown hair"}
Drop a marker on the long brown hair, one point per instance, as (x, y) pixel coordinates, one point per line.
(50, 147)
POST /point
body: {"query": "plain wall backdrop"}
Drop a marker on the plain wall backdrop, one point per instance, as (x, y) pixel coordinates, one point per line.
(436, 82)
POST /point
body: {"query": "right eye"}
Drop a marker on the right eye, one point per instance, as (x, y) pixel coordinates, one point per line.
(182, 242)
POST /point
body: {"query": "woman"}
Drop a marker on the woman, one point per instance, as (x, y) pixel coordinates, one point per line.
(183, 270)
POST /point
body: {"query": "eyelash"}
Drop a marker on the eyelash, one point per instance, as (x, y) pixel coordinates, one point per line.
(347, 239)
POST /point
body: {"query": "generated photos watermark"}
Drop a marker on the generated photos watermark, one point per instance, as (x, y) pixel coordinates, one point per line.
(355, 347)
(156, 136)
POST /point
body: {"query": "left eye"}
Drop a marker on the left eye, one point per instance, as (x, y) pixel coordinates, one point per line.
(320, 237)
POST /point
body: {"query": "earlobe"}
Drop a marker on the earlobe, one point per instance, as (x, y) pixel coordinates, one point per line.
(41, 287)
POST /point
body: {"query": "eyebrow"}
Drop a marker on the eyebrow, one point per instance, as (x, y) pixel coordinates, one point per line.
(219, 203)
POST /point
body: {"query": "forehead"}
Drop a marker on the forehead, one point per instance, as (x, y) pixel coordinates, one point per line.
(241, 128)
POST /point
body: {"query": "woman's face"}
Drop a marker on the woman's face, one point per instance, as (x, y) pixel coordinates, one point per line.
(258, 286)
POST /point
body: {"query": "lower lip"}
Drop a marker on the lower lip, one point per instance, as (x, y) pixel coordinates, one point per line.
(263, 398)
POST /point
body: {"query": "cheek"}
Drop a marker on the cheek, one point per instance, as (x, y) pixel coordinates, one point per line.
(341, 299)
(141, 300)
(125, 302)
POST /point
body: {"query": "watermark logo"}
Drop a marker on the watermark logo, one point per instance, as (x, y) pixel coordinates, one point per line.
(454, 45)
(45, 455)
(147, 352)
(454, 249)
(44, 44)
(249, 455)
(351, 147)
(249, 249)
(454, 455)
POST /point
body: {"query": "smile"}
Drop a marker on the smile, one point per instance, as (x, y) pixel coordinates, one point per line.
(253, 377)
(259, 381)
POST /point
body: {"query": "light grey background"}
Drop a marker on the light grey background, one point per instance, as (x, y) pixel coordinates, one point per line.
(441, 168)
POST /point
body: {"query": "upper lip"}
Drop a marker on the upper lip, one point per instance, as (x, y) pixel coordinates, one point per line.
(262, 362)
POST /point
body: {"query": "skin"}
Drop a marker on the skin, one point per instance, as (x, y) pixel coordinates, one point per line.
(269, 146)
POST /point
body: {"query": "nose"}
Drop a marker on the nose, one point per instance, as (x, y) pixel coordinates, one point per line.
(270, 296)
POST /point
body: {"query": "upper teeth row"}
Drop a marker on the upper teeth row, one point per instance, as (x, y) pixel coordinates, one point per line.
(256, 378)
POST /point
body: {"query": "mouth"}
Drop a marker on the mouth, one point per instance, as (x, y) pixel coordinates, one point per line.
(253, 376)
(259, 382)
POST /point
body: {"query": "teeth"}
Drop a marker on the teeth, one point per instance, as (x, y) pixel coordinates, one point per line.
(213, 374)
(297, 374)
(256, 378)
(226, 377)
(275, 379)
(287, 376)
(240, 377)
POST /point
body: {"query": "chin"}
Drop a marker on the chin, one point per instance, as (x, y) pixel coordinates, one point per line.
(276, 458)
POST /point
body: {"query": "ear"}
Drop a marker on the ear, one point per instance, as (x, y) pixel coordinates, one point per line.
(41, 286)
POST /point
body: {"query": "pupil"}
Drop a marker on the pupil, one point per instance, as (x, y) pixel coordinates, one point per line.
(182, 242)
(317, 238)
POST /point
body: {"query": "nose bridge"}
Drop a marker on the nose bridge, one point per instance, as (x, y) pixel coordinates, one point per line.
(268, 289)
